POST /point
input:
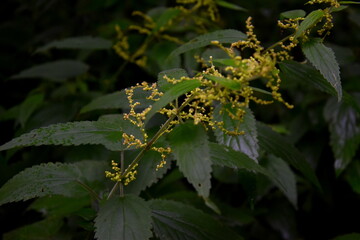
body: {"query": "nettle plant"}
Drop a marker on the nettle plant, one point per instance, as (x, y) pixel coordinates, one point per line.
(195, 122)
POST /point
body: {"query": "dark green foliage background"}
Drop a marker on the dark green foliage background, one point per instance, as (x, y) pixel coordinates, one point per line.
(26, 25)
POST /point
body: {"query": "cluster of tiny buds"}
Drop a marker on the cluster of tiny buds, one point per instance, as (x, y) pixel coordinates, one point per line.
(163, 153)
(116, 176)
(332, 3)
(200, 101)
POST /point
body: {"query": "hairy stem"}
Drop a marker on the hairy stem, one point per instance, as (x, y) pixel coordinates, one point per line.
(163, 128)
(113, 190)
(89, 189)
(278, 42)
(121, 172)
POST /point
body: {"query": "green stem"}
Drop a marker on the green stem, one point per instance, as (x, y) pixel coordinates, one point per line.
(163, 128)
(156, 136)
(278, 42)
(121, 173)
(89, 189)
(113, 190)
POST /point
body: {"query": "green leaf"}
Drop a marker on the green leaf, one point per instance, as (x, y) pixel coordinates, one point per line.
(177, 221)
(44, 229)
(350, 236)
(127, 218)
(165, 18)
(146, 171)
(190, 146)
(59, 206)
(171, 94)
(226, 62)
(85, 42)
(349, 2)
(57, 71)
(344, 132)
(223, 36)
(225, 156)
(105, 132)
(338, 9)
(311, 20)
(323, 59)
(293, 14)
(308, 75)
(274, 143)
(303, 73)
(229, 83)
(118, 100)
(282, 171)
(246, 143)
(176, 73)
(28, 107)
(261, 91)
(352, 176)
(51, 179)
(230, 5)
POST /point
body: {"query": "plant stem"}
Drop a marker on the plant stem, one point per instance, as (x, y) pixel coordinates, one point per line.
(163, 128)
(150, 143)
(113, 190)
(89, 189)
(278, 42)
(121, 172)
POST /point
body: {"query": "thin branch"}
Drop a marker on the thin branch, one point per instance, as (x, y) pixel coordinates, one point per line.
(113, 190)
(121, 173)
(89, 189)
(163, 128)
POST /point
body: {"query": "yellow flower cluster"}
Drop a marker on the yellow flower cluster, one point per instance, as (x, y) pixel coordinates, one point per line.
(333, 3)
(293, 23)
(201, 101)
(210, 6)
(164, 152)
(230, 86)
(138, 119)
(116, 175)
